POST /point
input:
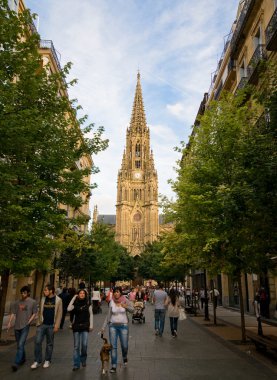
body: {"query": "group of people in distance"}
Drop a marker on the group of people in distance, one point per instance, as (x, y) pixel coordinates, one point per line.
(51, 313)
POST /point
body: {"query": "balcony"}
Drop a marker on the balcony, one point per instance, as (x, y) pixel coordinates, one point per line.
(242, 83)
(271, 33)
(231, 74)
(218, 91)
(258, 56)
(48, 44)
(241, 23)
(231, 65)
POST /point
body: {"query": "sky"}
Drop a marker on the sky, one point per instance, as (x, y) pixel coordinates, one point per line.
(175, 44)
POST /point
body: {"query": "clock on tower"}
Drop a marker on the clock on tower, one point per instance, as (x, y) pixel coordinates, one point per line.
(137, 175)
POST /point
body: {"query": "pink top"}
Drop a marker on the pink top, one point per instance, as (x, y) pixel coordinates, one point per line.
(132, 296)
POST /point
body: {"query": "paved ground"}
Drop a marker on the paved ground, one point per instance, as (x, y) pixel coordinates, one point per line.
(197, 353)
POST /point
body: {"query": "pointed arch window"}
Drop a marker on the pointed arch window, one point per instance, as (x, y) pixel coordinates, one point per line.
(137, 164)
(138, 151)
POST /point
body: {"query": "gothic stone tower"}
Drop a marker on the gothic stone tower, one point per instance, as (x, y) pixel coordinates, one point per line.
(137, 219)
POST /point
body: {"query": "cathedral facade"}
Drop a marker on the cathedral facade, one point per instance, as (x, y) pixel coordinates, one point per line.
(137, 217)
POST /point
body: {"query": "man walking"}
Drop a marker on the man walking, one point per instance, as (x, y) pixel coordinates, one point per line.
(50, 315)
(24, 311)
(65, 297)
(159, 300)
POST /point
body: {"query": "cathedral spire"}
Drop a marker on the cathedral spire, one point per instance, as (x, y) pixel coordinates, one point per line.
(137, 213)
(138, 119)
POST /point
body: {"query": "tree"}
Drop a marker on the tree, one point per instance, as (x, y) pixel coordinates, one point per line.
(126, 266)
(95, 256)
(41, 141)
(225, 190)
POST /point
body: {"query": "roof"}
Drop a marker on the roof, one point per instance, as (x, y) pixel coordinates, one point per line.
(106, 219)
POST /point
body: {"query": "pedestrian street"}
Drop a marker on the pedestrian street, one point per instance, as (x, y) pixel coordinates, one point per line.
(194, 354)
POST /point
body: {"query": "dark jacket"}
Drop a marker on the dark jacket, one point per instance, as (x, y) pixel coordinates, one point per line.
(83, 316)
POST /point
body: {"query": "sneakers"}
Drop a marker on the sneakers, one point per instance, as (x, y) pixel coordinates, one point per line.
(84, 364)
(75, 368)
(113, 370)
(175, 333)
(157, 332)
(35, 365)
(125, 362)
(46, 364)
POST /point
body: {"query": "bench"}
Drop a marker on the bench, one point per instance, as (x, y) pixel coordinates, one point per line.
(263, 342)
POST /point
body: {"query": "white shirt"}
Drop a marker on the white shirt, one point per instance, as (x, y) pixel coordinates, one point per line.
(96, 295)
(118, 314)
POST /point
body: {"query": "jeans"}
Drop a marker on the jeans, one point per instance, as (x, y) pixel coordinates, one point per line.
(159, 320)
(173, 324)
(20, 337)
(80, 348)
(121, 332)
(48, 331)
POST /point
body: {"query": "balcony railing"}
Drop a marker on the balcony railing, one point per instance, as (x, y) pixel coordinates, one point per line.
(271, 32)
(258, 56)
(231, 65)
(242, 83)
(247, 7)
(48, 44)
(218, 91)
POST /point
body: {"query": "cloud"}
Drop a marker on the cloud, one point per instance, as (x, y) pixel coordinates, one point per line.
(174, 43)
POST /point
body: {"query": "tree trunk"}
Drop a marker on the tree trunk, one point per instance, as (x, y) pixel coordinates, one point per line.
(42, 286)
(35, 284)
(207, 318)
(214, 305)
(243, 332)
(5, 274)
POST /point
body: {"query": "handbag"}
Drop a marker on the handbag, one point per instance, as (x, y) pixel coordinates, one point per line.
(182, 314)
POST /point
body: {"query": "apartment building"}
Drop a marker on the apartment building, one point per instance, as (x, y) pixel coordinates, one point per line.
(51, 61)
(252, 39)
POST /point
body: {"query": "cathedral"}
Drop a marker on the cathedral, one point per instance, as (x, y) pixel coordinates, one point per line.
(137, 218)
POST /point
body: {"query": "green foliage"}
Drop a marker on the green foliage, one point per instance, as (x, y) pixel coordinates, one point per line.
(154, 263)
(126, 266)
(95, 256)
(225, 211)
(41, 141)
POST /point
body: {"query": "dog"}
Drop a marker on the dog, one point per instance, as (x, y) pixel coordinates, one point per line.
(105, 355)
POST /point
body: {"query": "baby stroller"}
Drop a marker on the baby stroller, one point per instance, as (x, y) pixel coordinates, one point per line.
(138, 312)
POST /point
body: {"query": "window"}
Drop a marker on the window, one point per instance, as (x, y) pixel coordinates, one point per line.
(137, 217)
(242, 70)
(257, 39)
(137, 164)
(137, 153)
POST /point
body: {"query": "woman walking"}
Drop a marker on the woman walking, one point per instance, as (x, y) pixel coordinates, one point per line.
(82, 324)
(173, 305)
(117, 319)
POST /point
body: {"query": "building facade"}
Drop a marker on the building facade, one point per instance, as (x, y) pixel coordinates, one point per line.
(137, 217)
(50, 59)
(252, 40)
